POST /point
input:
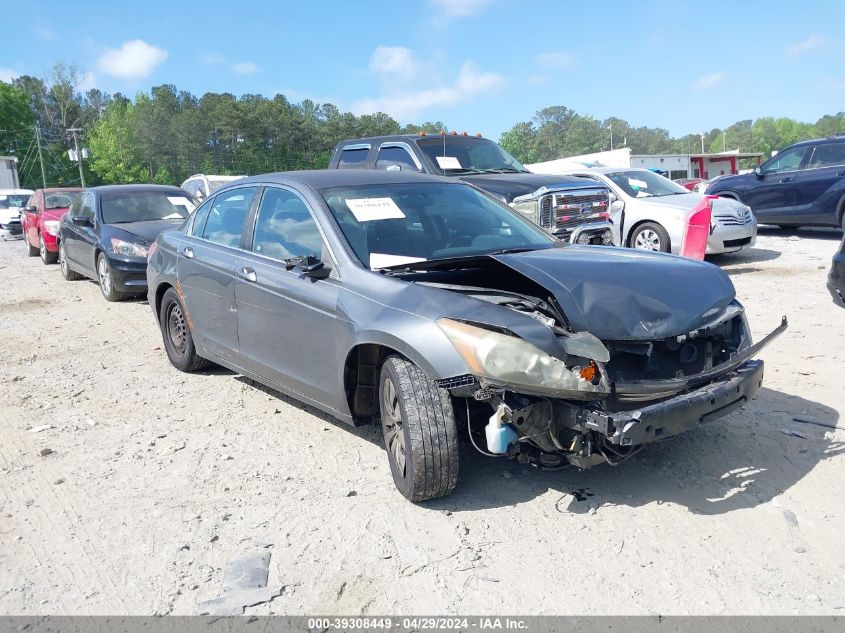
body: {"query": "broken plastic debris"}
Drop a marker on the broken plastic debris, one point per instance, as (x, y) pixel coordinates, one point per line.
(244, 585)
(43, 427)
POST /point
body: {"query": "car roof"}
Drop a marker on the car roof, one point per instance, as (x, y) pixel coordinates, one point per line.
(324, 178)
(601, 170)
(15, 192)
(65, 189)
(118, 188)
(375, 140)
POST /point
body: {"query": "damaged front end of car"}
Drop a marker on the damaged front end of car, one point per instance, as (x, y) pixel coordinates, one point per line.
(597, 400)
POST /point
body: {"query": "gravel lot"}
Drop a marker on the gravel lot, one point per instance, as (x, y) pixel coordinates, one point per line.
(158, 478)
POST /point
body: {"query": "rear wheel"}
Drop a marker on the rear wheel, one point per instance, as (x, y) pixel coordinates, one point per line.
(46, 256)
(418, 423)
(650, 236)
(31, 250)
(106, 281)
(67, 272)
(176, 334)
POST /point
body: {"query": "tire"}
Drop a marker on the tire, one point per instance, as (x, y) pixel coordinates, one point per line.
(420, 434)
(176, 334)
(67, 272)
(46, 256)
(31, 251)
(650, 236)
(105, 280)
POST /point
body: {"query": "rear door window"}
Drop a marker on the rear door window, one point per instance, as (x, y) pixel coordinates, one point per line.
(395, 157)
(227, 215)
(353, 158)
(828, 155)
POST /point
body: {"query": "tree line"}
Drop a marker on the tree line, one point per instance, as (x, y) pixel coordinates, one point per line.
(166, 134)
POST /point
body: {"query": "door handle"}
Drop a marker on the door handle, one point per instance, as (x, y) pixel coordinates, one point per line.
(188, 252)
(840, 173)
(789, 179)
(248, 274)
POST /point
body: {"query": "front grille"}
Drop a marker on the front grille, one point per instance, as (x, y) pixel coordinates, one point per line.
(562, 211)
(742, 219)
(735, 243)
(455, 382)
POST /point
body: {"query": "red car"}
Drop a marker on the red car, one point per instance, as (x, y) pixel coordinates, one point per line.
(40, 221)
(689, 183)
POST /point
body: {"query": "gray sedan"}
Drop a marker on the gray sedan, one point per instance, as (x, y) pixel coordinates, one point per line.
(427, 305)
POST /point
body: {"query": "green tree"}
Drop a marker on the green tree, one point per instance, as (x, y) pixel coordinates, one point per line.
(114, 146)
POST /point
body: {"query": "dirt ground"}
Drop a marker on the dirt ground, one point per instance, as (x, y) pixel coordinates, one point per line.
(158, 478)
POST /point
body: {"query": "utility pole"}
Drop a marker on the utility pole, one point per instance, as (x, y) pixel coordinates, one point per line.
(702, 142)
(610, 125)
(40, 158)
(74, 130)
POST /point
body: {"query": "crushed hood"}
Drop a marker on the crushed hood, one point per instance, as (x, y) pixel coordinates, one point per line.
(622, 294)
(510, 186)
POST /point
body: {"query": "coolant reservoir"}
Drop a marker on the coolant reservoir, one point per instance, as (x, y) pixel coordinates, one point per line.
(499, 434)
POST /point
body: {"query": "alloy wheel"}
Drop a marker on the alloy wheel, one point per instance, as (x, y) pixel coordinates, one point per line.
(391, 420)
(647, 240)
(176, 328)
(62, 259)
(42, 247)
(104, 275)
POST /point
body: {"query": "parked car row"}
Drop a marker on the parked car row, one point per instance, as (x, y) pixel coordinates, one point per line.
(424, 304)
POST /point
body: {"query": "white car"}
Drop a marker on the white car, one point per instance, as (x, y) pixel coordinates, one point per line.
(650, 212)
(12, 202)
(201, 185)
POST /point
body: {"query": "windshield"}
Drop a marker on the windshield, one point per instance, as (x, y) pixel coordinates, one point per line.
(645, 184)
(13, 201)
(454, 155)
(121, 207)
(59, 199)
(393, 224)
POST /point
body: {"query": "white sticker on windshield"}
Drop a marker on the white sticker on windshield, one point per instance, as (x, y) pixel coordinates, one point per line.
(638, 184)
(369, 209)
(181, 201)
(382, 260)
(448, 162)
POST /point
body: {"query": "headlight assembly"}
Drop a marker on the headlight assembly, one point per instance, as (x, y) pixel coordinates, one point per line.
(129, 249)
(509, 361)
(527, 208)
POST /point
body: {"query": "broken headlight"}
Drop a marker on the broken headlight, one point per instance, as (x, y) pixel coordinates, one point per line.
(130, 249)
(509, 361)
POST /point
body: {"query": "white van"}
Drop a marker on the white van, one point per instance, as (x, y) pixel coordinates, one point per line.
(12, 203)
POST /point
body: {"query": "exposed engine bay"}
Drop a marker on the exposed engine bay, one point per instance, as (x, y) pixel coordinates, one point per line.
(643, 390)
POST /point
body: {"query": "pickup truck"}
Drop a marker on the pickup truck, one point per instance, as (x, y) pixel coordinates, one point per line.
(573, 209)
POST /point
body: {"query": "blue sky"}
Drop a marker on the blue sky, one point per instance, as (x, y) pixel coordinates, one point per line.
(477, 65)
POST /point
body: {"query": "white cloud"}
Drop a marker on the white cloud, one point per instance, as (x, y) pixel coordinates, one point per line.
(44, 32)
(460, 8)
(134, 60)
(212, 58)
(87, 82)
(558, 59)
(245, 68)
(811, 43)
(7, 74)
(831, 85)
(393, 60)
(406, 104)
(706, 82)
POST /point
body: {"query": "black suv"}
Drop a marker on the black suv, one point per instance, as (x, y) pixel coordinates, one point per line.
(803, 185)
(573, 209)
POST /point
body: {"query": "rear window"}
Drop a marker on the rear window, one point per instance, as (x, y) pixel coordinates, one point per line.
(59, 199)
(353, 158)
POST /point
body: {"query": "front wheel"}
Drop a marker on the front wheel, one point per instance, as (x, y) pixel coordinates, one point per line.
(46, 256)
(420, 434)
(176, 334)
(650, 236)
(67, 272)
(106, 281)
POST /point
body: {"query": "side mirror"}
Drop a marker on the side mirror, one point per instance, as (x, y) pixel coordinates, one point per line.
(758, 171)
(81, 221)
(31, 208)
(310, 266)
